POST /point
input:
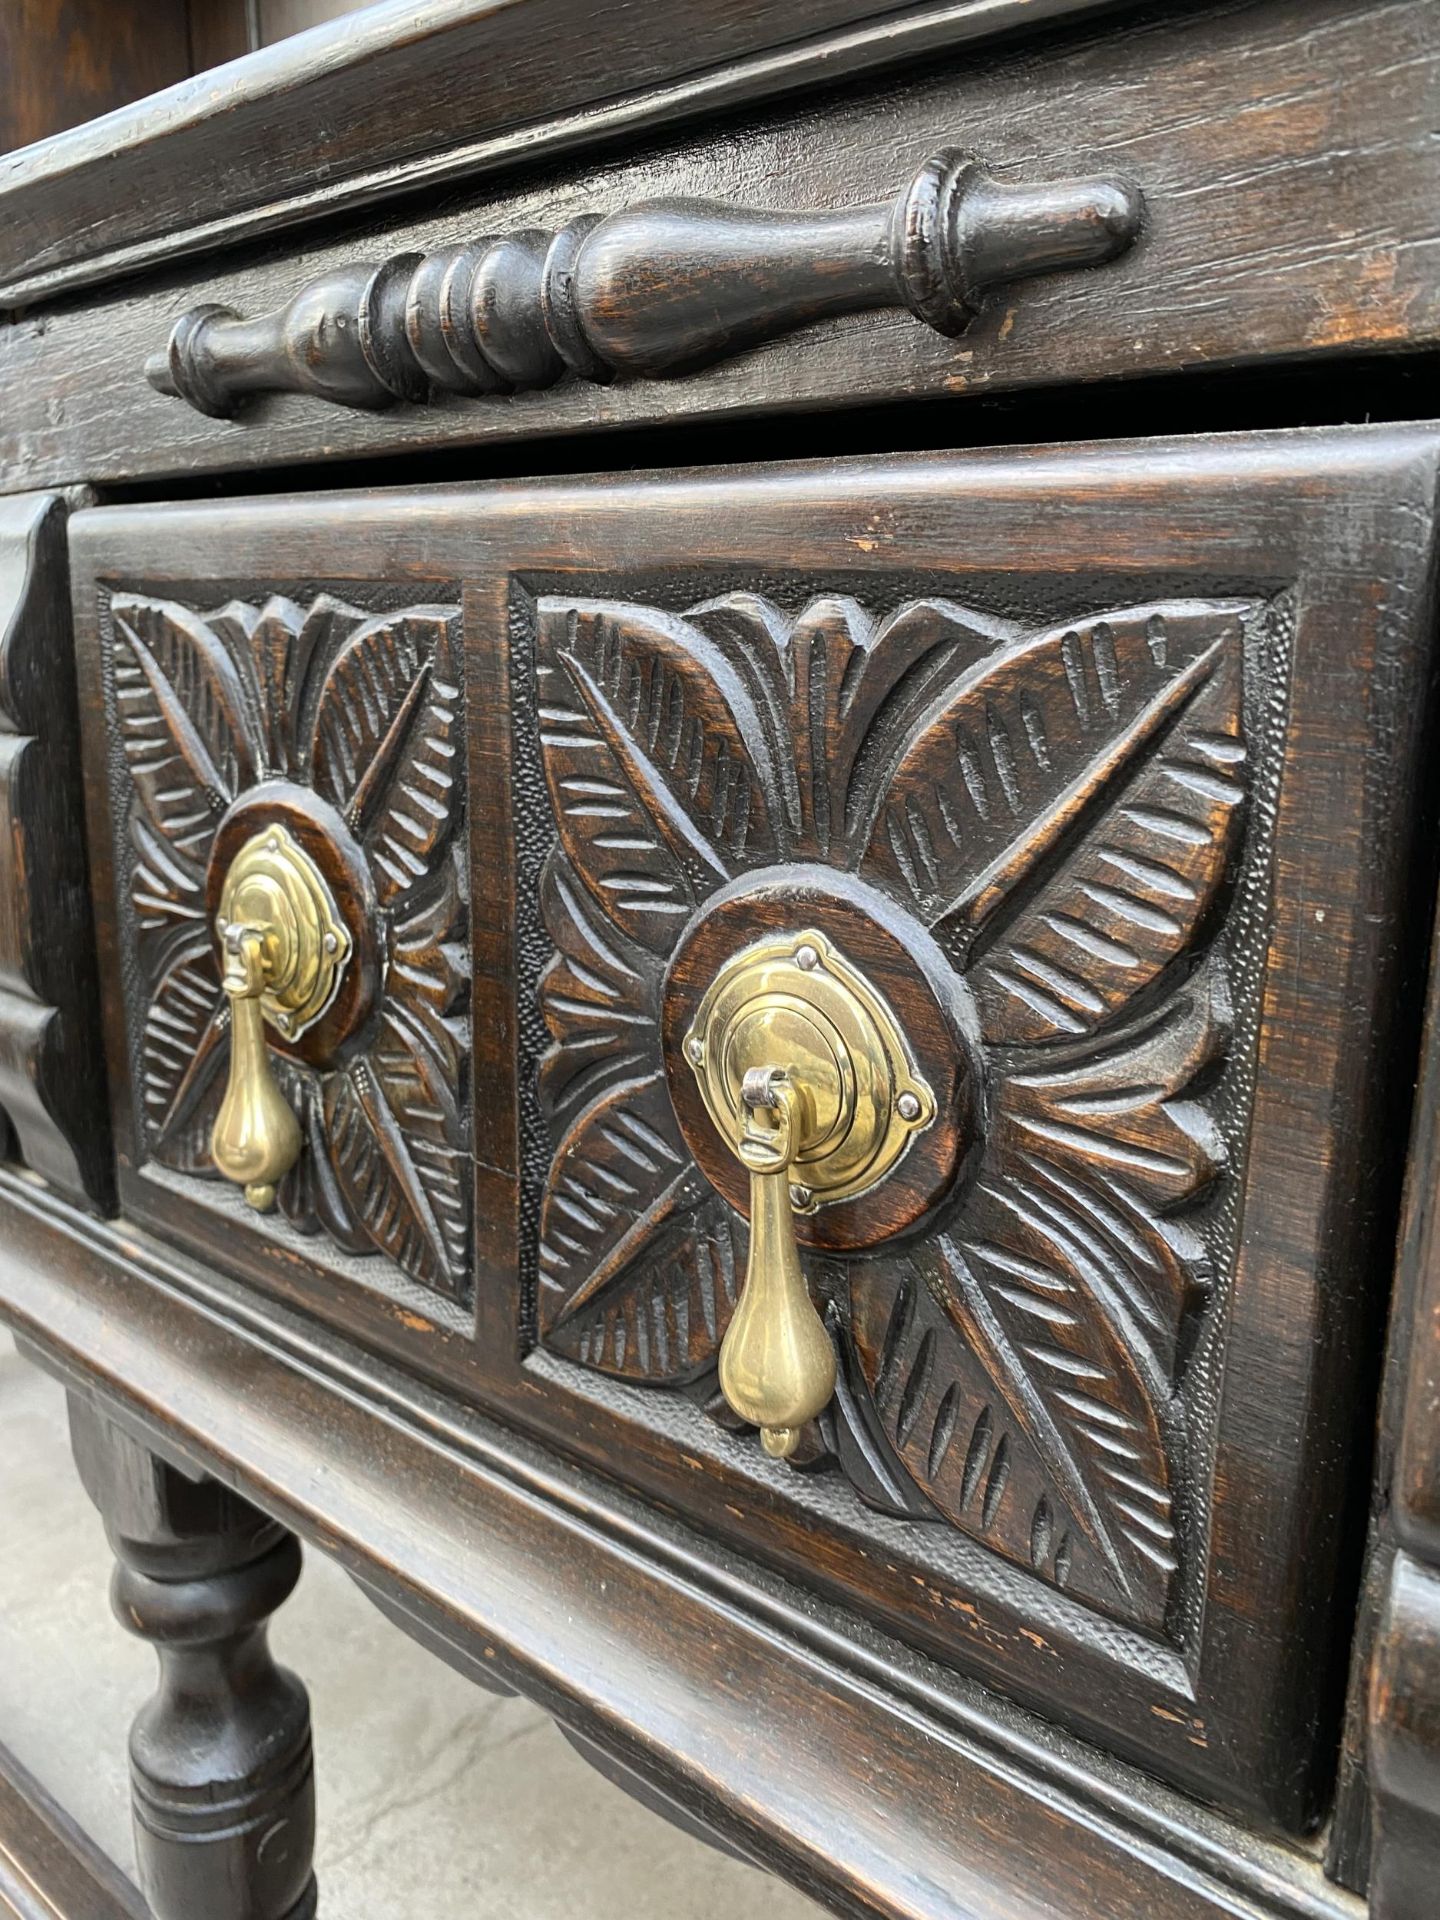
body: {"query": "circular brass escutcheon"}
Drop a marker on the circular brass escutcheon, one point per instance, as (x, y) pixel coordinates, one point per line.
(795, 1001)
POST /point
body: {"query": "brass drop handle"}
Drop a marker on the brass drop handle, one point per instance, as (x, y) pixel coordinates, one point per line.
(807, 1076)
(256, 1137)
(284, 948)
(777, 1365)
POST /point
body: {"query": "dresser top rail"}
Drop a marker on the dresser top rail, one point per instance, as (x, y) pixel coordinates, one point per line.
(396, 98)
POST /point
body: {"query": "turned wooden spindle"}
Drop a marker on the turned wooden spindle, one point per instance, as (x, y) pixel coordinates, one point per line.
(654, 289)
(222, 1785)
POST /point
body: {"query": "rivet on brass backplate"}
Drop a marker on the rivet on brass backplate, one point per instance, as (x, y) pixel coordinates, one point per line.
(284, 948)
(807, 1075)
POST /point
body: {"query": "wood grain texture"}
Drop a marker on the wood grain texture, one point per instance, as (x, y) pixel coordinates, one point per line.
(50, 1078)
(1258, 245)
(1238, 1693)
(469, 87)
(221, 1775)
(49, 1869)
(855, 1770)
(65, 61)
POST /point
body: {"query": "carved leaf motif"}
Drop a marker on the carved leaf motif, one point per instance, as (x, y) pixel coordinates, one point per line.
(427, 977)
(1061, 1291)
(854, 681)
(181, 711)
(276, 643)
(1009, 764)
(368, 710)
(167, 896)
(408, 799)
(378, 1175)
(1062, 808)
(1115, 1114)
(637, 1253)
(1021, 1411)
(367, 700)
(656, 758)
(181, 1047)
(1133, 893)
(829, 684)
(598, 996)
(424, 1088)
(310, 1196)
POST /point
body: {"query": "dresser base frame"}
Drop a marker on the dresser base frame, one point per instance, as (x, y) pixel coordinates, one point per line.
(869, 1778)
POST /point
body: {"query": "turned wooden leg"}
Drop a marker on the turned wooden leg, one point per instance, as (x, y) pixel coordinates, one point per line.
(220, 1763)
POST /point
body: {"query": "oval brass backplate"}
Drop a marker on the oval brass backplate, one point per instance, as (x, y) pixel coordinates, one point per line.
(794, 1001)
(275, 887)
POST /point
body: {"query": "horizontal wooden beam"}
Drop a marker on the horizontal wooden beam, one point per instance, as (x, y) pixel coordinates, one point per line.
(412, 97)
(49, 1868)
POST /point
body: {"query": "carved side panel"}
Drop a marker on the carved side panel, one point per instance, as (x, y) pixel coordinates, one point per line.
(51, 1088)
(347, 724)
(1060, 808)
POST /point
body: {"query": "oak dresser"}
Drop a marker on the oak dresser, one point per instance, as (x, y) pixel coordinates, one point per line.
(717, 757)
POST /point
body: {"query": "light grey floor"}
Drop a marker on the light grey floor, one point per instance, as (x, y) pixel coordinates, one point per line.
(433, 1798)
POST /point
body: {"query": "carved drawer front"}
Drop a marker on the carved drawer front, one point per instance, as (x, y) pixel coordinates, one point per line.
(964, 894)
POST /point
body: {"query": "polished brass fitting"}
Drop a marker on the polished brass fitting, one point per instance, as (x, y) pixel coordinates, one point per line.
(807, 1075)
(283, 949)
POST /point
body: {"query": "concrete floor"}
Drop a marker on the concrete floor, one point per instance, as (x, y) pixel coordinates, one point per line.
(433, 1797)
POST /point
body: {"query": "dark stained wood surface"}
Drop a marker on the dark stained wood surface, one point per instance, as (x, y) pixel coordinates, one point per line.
(649, 291)
(468, 86)
(49, 1869)
(50, 1080)
(1258, 245)
(1392, 1747)
(1404, 1743)
(1276, 1093)
(64, 61)
(845, 1766)
(221, 1778)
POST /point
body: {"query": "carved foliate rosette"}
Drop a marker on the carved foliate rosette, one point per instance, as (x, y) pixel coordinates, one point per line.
(345, 728)
(1029, 835)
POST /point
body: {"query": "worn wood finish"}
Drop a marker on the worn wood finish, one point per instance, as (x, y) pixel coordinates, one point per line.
(51, 1087)
(49, 1869)
(816, 1752)
(220, 1761)
(1196, 622)
(653, 290)
(469, 87)
(1228, 123)
(1109, 763)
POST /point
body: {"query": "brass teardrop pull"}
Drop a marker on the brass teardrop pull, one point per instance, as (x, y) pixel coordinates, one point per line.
(256, 1138)
(777, 1366)
(284, 948)
(805, 1072)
